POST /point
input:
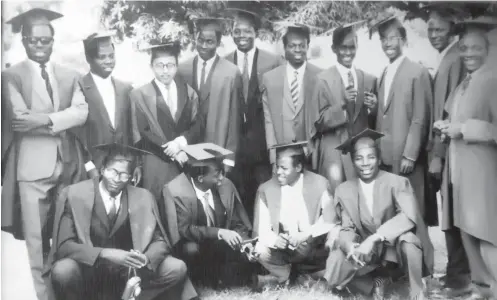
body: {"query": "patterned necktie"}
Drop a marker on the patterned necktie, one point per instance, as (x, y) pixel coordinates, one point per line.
(465, 83)
(350, 104)
(245, 76)
(202, 75)
(113, 211)
(351, 79)
(209, 212)
(294, 89)
(45, 77)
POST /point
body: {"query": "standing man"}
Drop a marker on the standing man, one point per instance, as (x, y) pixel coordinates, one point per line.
(46, 104)
(471, 169)
(121, 231)
(207, 220)
(293, 208)
(109, 109)
(253, 159)
(445, 79)
(343, 105)
(218, 84)
(404, 97)
(287, 91)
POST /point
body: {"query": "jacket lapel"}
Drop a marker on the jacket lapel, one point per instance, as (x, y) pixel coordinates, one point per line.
(99, 208)
(273, 198)
(123, 213)
(254, 75)
(142, 227)
(307, 89)
(93, 95)
(181, 97)
(161, 105)
(120, 96)
(40, 89)
(82, 208)
(56, 89)
(351, 204)
(150, 105)
(287, 96)
(380, 201)
(394, 83)
(360, 94)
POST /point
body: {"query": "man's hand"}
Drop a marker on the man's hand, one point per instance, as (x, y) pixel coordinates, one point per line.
(281, 242)
(440, 123)
(140, 256)
(406, 166)
(121, 258)
(350, 94)
(232, 238)
(435, 168)
(296, 239)
(137, 175)
(452, 130)
(28, 122)
(93, 173)
(171, 148)
(365, 249)
(181, 158)
(370, 100)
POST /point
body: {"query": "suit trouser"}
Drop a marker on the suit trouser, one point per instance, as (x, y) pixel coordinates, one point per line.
(307, 258)
(482, 257)
(73, 281)
(37, 198)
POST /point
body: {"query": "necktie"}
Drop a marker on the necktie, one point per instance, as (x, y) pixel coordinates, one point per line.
(113, 211)
(45, 77)
(209, 212)
(294, 89)
(202, 75)
(245, 77)
(169, 102)
(350, 104)
(465, 83)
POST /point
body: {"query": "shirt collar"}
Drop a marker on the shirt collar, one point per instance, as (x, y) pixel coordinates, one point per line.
(298, 184)
(37, 65)
(105, 194)
(250, 54)
(101, 79)
(200, 194)
(396, 63)
(209, 61)
(161, 85)
(291, 70)
(343, 69)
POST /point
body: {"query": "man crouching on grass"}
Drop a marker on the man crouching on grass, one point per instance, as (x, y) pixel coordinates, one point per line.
(381, 226)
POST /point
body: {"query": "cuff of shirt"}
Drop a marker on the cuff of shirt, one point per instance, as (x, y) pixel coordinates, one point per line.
(413, 160)
(181, 141)
(89, 166)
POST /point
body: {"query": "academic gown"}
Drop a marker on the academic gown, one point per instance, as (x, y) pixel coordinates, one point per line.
(90, 222)
(394, 211)
(221, 100)
(330, 122)
(98, 128)
(154, 126)
(404, 122)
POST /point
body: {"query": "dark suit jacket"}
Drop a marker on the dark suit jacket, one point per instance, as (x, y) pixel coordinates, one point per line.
(253, 142)
(182, 208)
(98, 128)
(75, 219)
(284, 122)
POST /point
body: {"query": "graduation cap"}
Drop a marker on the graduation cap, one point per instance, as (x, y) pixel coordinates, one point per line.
(246, 15)
(113, 150)
(172, 48)
(384, 24)
(215, 23)
(485, 23)
(290, 149)
(341, 32)
(349, 145)
(96, 39)
(446, 11)
(34, 16)
(201, 155)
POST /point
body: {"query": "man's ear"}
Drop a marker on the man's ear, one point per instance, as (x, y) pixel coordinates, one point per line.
(200, 178)
(300, 167)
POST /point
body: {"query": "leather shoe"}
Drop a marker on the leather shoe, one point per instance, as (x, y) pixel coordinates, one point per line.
(451, 292)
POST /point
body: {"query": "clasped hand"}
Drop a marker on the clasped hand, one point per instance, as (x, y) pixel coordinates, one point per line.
(451, 130)
(232, 238)
(284, 240)
(132, 259)
(362, 252)
(29, 121)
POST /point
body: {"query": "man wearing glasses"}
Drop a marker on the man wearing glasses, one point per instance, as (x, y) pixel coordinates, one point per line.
(104, 228)
(44, 156)
(402, 113)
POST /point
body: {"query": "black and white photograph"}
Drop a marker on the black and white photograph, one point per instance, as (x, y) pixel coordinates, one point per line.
(253, 150)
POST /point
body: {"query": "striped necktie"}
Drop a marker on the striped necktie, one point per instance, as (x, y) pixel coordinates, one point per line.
(294, 89)
(113, 211)
(202, 76)
(350, 79)
(209, 212)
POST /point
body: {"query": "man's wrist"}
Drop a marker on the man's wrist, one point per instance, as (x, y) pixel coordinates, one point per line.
(378, 238)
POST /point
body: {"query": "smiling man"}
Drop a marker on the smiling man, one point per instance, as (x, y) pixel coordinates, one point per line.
(218, 84)
(44, 155)
(287, 91)
(404, 97)
(294, 211)
(343, 105)
(381, 225)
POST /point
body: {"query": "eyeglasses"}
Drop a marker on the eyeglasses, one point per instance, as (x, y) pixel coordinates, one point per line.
(389, 39)
(122, 176)
(162, 66)
(44, 40)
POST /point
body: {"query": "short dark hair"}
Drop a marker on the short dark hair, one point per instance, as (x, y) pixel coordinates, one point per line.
(196, 171)
(115, 156)
(298, 159)
(26, 29)
(400, 29)
(91, 50)
(162, 52)
(305, 33)
(339, 36)
(218, 31)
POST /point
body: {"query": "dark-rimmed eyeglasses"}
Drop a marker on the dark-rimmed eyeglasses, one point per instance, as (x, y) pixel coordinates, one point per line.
(32, 40)
(122, 176)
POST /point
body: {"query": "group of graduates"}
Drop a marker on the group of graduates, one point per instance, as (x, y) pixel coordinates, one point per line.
(252, 169)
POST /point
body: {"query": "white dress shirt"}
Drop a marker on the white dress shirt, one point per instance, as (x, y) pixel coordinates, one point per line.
(201, 194)
(36, 68)
(344, 73)
(208, 67)
(106, 89)
(368, 191)
(170, 95)
(391, 70)
(106, 198)
(240, 56)
(290, 74)
(441, 55)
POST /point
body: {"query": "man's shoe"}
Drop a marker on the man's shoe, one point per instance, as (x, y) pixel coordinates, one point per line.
(380, 283)
(454, 292)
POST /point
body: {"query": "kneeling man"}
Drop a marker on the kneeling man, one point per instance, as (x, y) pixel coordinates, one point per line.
(381, 224)
(104, 228)
(294, 213)
(211, 222)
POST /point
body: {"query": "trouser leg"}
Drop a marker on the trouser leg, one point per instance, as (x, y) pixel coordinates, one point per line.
(276, 262)
(36, 204)
(489, 255)
(67, 280)
(457, 263)
(412, 260)
(479, 272)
